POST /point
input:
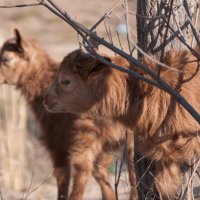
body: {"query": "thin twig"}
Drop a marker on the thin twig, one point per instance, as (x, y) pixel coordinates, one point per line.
(189, 181)
(131, 72)
(64, 16)
(135, 46)
(182, 39)
(172, 36)
(132, 50)
(120, 44)
(198, 174)
(29, 189)
(106, 15)
(160, 196)
(139, 159)
(193, 164)
(22, 5)
(191, 185)
(178, 26)
(79, 41)
(196, 20)
(116, 172)
(81, 29)
(111, 38)
(142, 16)
(185, 4)
(153, 59)
(127, 25)
(196, 179)
(107, 31)
(121, 164)
(42, 183)
(144, 173)
(165, 39)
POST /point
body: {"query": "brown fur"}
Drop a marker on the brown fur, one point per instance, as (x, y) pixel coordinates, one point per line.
(83, 142)
(167, 132)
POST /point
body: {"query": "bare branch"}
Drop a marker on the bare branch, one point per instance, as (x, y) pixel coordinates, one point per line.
(196, 20)
(189, 181)
(116, 170)
(182, 39)
(106, 15)
(196, 179)
(165, 38)
(81, 29)
(121, 165)
(178, 26)
(120, 44)
(107, 31)
(127, 24)
(131, 72)
(36, 188)
(185, 4)
(139, 159)
(144, 173)
(29, 189)
(142, 16)
(79, 42)
(153, 59)
(22, 5)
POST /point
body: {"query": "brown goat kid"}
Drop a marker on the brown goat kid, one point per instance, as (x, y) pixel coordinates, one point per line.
(81, 142)
(167, 133)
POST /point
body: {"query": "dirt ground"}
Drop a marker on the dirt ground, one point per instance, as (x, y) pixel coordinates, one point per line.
(58, 39)
(55, 35)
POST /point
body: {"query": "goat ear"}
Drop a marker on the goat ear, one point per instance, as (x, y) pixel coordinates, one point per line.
(86, 65)
(18, 38)
(98, 65)
(90, 67)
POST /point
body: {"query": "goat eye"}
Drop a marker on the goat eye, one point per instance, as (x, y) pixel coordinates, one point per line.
(66, 82)
(4, 59)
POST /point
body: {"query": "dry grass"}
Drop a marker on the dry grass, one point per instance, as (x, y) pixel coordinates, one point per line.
(24, 161)
(12, 137)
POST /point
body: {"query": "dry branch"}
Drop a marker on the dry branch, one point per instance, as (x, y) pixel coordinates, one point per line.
(196, 36)
(190, 180)
(162, 84)
(117, 177)
(84, 33)
(106, 15)
(22, 5)
(37, 187)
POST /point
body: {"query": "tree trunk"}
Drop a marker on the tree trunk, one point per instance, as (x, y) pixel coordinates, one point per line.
(151, 24)
(154, 36)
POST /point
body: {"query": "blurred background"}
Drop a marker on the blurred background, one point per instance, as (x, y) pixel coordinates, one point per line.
(25, 164)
